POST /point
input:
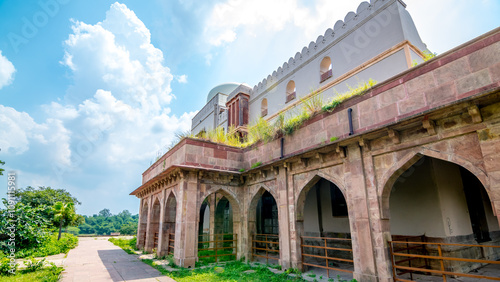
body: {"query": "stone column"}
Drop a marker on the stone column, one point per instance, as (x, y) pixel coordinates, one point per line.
(283, 219)
(186, 220)
(149, 243)
(211, 226)
(381, 230)
(160, 252)
(359, 220)
(296, 227)
(140, 239)
(489, 140)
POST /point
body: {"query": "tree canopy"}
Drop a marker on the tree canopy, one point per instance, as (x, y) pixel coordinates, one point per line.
(105, 223)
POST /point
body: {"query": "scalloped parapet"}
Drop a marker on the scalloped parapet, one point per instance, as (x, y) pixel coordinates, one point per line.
(351, 20)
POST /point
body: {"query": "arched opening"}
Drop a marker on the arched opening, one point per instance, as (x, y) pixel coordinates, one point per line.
(217, 240)
(141, 234)
(223, 217)
(325, 69)
(204, 222)
(440, 203)
(264, 228)
(263, 107)
(291, 91)
(168, 238)
(154, 227)
(323, 222)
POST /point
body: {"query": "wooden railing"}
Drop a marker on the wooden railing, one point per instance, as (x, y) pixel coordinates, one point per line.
(218, 245)
(440, 258)
(267, 243)
(327, 256)
(170, 243)
(155, 241)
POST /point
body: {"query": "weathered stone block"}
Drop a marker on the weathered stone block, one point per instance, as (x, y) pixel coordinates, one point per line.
(485, 57)
(473, 81)
(452, 71)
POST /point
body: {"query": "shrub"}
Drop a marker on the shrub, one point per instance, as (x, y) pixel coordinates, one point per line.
(257, 164)
(33, 265)
(51, 246)
(6, 268)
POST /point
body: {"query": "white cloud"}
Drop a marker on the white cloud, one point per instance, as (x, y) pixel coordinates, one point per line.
(7, 71)
(116, 114)
(232, 18)
(181, 78)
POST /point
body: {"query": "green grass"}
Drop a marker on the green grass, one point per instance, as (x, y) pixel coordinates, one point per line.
(128, 245)
(50, 274)
(51, 246)
(233, 271)
(262, 131)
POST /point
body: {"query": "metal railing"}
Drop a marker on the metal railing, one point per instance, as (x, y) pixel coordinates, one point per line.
(218, 246)
(440, 258)
(170, 243)
(411, 249)
(268, 243)
(327, 256)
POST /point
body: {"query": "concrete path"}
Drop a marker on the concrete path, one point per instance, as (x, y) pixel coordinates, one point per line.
(97, 259)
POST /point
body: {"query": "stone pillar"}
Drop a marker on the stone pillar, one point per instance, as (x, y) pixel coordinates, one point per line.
(148, 242)
(160, 251)
(140, 229)
(186, 223)
(489, 140)
(211, 226)
(283, 219)
(359, 220)
(381, 229)
(296, 227)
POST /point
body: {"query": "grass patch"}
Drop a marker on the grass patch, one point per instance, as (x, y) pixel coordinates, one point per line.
(51, 246)
(44, 275)
(128, 245)
(231, 271)
(262, 131)
(257, 164)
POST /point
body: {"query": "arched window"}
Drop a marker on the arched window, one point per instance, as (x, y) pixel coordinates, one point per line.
(325, 69)
(290, 91)
(263, 107)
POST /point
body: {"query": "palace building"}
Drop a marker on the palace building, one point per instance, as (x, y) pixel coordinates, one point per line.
(399, 182)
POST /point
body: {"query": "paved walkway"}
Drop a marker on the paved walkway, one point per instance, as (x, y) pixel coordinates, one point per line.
(97, 259)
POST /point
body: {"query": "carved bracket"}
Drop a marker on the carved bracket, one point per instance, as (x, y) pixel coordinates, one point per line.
(475, 114)
(394, 135)
(429, 125)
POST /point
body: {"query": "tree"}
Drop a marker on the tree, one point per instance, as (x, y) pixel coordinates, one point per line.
(29, 227)
(65, 215)
(44, 196)
(105, 213)
(1, 169)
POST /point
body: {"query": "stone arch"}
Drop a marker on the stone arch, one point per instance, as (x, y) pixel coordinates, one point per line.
(143, 223)
(236, 210)
(169, 222)
(154, 224)
(301, 197)
(390, 177)
(254, 200)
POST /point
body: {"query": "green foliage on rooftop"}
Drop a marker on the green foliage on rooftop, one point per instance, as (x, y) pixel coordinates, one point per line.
(284, 124)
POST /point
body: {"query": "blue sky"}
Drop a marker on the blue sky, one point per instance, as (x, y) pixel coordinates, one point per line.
(91, 90)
